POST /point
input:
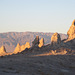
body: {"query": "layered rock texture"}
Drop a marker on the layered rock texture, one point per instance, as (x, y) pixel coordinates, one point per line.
(36, 41)
(41, 42)
(55, 39)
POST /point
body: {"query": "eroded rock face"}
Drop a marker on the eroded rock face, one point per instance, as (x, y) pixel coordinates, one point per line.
(36, 41)
(41, 42)
(55, 39)
(71, 31)
(2, 50)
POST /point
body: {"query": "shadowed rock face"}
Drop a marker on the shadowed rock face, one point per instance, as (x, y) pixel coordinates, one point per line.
(36, 41)
(71, 31)
(55, 39)
(41, 42)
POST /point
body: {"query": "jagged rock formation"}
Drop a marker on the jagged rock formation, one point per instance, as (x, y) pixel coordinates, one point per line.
(10, 39)
(27, 45)
(17, 49)
(55, 39)
(41, 42)
(20, 48)
(71, 31)
(2, 51)
(36, 41)
(70, 41)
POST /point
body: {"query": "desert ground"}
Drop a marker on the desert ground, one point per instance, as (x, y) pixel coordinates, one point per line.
(38, 63)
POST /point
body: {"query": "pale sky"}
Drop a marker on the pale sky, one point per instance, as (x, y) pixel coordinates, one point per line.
(36, 15)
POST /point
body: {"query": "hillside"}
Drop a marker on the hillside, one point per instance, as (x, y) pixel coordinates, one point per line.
(10, 39)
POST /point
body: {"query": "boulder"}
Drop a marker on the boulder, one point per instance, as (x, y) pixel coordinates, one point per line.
(55, 39)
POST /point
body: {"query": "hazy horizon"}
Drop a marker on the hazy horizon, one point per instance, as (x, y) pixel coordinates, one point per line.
(30, 32)
(36, 16)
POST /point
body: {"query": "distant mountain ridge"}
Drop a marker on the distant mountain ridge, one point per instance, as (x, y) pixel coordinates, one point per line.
(10, 39)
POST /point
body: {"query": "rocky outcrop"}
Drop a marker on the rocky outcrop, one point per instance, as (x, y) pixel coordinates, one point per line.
(41, 42)
(20, 48)
(36, 41)
(70, 41)
(2, 51)
(71, 31)
(55, 39)
(27, 45)
(17, 49)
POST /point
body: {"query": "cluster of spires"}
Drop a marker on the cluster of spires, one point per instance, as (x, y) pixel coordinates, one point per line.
(55, 40)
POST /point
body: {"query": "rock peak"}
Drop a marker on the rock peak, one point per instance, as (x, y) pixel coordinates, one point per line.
(73, 23)
(18, 45)
(41, 42)
(2, 50)
(71, 31)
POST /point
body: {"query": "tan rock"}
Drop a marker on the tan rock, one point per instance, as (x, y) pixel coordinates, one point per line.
(17, 49)
(71, 31)
(20, 48)
(2, 51)
(36, 41)
(27, 45)
(55, 39)
(41, 42)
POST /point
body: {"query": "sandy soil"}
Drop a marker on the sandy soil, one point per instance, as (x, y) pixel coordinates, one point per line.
(37, 64)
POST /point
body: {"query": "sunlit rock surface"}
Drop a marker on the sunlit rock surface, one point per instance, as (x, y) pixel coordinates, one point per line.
(71, 31)
(55, 39)
(41, 42)
(2, 51)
